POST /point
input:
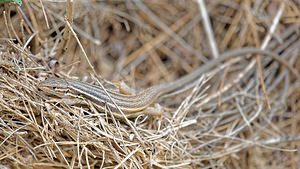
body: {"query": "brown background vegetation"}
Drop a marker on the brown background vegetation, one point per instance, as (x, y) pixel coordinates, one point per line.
(243, 114)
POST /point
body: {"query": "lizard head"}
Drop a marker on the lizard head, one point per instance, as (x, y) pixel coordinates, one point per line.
(54, 85)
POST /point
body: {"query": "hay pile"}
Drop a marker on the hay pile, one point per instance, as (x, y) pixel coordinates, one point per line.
(242, 113)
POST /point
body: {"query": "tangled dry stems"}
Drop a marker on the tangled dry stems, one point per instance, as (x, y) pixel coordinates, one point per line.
(243, 113)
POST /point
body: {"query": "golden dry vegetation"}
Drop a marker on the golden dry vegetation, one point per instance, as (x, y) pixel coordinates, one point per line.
(242, 113)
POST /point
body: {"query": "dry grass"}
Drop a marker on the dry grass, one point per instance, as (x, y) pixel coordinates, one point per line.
(243, 113)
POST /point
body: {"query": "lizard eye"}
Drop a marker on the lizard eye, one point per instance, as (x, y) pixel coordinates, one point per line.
(54, 88)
